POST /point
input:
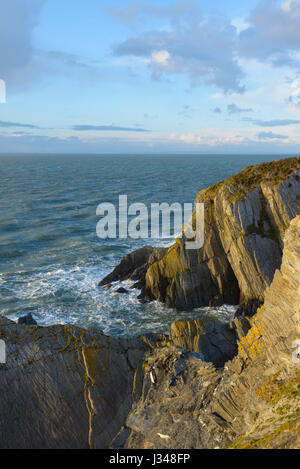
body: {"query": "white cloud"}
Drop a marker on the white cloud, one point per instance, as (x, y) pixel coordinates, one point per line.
(240, 24)
(17, 22)
(273, 33)
(201, 48)
(289, 5)
(295, 92)
(161, 57)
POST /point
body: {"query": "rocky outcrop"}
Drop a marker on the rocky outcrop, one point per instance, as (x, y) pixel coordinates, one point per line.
(64, 387)
(134, 266)
(27, 320)
(252, 403)
(214, 341)
(246, 217)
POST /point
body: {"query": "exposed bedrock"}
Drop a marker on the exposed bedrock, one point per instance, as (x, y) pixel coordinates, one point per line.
(246, 217)
(253, 402)
(65, 387)
(216, 342)
(134, 266)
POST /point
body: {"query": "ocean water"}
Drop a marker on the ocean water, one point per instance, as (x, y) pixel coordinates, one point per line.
(51, 259)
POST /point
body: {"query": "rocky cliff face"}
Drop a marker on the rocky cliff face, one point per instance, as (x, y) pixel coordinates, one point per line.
(252, 403)
(245, 220)
(64, 387)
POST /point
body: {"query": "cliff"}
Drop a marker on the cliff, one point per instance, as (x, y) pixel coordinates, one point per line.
(207, 385)
(252, 403)
(246, 217)
(65, 387)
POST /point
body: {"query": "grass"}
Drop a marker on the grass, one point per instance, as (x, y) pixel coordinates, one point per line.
(275, 390)
(241, 184)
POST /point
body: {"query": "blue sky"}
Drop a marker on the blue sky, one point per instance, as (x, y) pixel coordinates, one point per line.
(119, 76)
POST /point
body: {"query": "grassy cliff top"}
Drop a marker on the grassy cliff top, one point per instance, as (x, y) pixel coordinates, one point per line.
(250, 177)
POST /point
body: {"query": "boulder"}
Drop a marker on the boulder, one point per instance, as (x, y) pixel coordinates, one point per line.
(213, 340)
(134, 266)
(27, 320)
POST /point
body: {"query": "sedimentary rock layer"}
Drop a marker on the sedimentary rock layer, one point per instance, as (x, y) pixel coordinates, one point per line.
(246, 217)
(64, 387)
(252, 403)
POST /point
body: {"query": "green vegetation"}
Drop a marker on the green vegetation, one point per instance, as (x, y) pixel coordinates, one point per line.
(275, 390)
(244, 182)
(267, 441)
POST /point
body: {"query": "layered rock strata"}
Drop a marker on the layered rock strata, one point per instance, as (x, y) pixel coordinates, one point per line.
(246, 217)
(252, 403)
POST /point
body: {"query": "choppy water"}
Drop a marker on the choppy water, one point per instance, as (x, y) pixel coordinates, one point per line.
(50, 257)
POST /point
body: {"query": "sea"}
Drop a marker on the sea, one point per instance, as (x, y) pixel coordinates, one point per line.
(51, 259)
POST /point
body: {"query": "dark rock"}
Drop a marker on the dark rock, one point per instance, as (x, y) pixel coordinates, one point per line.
(134, 266)
(214, 341)
(197, 356)
(73, 386)
(120, 439)
(241, 325)
(27, 320)
(171, 380)
(179, 366)
(137, 285)
(248, 308)
(253, 402)
(122, 290)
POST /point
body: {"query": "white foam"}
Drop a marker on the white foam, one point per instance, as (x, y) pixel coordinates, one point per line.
(70, 295)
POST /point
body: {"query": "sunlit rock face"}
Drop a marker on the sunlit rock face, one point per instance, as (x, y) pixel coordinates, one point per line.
(65, 387)
(246, 217)
(253, 402)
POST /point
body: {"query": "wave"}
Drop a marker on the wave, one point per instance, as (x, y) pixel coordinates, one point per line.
(72, 296)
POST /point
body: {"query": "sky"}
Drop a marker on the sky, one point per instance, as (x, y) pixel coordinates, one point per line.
(168, 76)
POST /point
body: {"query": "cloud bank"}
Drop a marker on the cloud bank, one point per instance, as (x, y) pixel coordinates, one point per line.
(272, 123)
(274, 33)
(109, 128)
(201, 48)
(5, 124)
(18, 18)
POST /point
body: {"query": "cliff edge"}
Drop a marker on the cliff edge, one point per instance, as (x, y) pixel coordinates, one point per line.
(252, 403)
(246, 217)
(65, 387)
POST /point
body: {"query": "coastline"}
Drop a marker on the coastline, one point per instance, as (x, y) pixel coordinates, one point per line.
(222, 381)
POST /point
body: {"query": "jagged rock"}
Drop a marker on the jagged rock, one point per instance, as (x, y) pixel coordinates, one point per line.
(64, 387)
(245, 220)
(215, 341)
(27, 320)
(241, 326)
(253, 402)
(122, 290)
(248, 308)
(134, 266)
